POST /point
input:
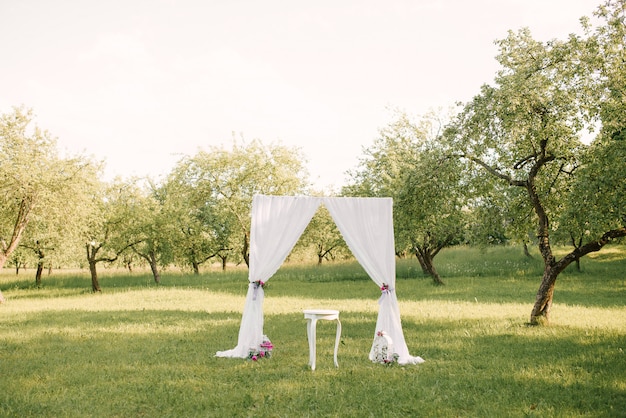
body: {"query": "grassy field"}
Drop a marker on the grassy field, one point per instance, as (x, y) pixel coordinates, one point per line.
(141, 350)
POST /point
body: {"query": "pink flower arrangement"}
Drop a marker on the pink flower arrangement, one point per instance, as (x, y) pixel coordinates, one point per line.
(384, 287)
(257, 284)
(393, 359)
(266, 346)
(263, 351)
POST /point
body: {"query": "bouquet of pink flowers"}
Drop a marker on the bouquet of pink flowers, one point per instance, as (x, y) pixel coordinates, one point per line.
(264, 350)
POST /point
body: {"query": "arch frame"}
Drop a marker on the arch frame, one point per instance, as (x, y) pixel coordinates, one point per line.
(367, 227)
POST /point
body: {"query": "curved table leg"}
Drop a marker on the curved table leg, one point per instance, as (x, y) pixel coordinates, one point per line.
(311, 326)
(312, 316)
(337, 339)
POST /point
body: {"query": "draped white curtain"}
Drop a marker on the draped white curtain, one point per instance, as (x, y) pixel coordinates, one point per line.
(277, 223)
(367, 227)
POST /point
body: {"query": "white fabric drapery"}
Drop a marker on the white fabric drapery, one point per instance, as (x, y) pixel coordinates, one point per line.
(276, 225)
(367, 227)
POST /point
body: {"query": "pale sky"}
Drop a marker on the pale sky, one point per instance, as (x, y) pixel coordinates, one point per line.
(140, 83)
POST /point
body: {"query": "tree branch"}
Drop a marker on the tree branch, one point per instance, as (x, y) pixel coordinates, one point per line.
(215, 254)
(521, 163)
(591, 247)
(494, 171)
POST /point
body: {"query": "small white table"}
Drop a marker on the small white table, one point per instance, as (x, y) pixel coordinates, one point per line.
(312, 316)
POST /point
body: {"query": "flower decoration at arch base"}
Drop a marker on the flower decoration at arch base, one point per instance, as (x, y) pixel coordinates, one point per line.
(382, 349)
(264, 350)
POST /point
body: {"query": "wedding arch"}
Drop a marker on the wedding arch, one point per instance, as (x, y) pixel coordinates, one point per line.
(366, 225)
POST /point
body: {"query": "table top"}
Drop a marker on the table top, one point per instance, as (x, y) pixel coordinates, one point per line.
(320, 312)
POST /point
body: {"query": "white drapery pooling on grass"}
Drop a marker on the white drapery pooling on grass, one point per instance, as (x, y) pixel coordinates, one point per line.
(366, 225)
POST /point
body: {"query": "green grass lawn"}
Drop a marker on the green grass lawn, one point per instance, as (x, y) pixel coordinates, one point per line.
(141, 350)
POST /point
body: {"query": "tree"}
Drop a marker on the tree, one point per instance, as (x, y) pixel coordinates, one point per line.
(526, 132)
(33, 179)
(429, 206)
(151, 229)
(54, 232)
(323, 235)
(20, 259)
(201, 230)
(223, 183)
(498, 214)
(409, 162)
(486, 222)
(108, 227)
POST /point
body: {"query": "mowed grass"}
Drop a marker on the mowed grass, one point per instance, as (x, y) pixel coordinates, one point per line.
(142, 350)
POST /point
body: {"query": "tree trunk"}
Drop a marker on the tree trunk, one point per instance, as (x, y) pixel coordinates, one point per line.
(152, 259)
(92, 250)
(576, 247)
(155, 270)
(3, 259)
(41, 256)
(430, 267)
(246, 246)
(95, 286)
(196, 267)
(422, 262)
(22, 220)
(38, 273)
(540, 314)
(526, 252)
(426, 262)
(224, 258)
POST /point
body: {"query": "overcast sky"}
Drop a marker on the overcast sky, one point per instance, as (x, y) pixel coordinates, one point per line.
(140, 83)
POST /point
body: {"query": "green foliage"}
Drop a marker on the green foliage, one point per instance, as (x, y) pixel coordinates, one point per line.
(36, 185)
(411, 163)
(324, 237)
(214, 191)
(113, 218)
(57, 233)
(111, 227)
(525, 131)
(429, 203)
(200, 212)
(151, 231)
(200, 231)
(597, 203)
(139, 349)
